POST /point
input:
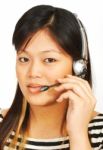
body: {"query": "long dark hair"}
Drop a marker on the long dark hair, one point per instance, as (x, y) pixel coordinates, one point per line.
(63, 26)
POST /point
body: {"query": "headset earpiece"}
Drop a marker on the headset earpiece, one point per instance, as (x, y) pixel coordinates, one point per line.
(80, 66)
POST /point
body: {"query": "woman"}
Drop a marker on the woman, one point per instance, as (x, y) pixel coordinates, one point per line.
(54, 105)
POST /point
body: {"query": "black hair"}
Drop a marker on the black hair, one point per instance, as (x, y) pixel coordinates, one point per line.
(63, 26)
(61, 23)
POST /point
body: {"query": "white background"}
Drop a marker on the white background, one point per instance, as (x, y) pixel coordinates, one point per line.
(91, 14)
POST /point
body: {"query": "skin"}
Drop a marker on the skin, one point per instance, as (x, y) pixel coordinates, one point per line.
(39, 70)
(61, 107)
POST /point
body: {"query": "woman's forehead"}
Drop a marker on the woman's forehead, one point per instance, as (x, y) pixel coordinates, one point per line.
(43, 41)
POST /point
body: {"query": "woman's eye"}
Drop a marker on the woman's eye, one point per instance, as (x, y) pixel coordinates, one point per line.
(23, 59)
(49, 60)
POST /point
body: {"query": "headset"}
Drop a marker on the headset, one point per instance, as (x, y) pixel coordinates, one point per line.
(80, 66)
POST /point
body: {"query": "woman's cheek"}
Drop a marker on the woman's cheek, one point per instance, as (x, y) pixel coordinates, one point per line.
(20, 74)
(59, 72)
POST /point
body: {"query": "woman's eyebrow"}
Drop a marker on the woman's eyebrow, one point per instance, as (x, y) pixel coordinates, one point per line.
(22, 52)
(50, 50)
(42, 51)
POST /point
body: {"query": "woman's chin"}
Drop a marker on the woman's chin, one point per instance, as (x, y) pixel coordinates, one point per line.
(42, 99)
(41, 102)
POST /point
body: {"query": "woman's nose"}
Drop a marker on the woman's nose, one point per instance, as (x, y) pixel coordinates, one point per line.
(35, 70)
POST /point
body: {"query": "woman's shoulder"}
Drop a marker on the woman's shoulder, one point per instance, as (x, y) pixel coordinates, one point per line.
(95, 126)
(95, 129)
(96, 117)
(3, 112)
(97, 120)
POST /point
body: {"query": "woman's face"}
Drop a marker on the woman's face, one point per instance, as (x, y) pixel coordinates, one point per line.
(41, 63)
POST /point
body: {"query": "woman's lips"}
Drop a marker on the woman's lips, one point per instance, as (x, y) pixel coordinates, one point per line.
(34, 88)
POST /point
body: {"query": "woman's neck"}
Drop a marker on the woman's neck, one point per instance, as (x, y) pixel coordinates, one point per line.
(47, 121)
